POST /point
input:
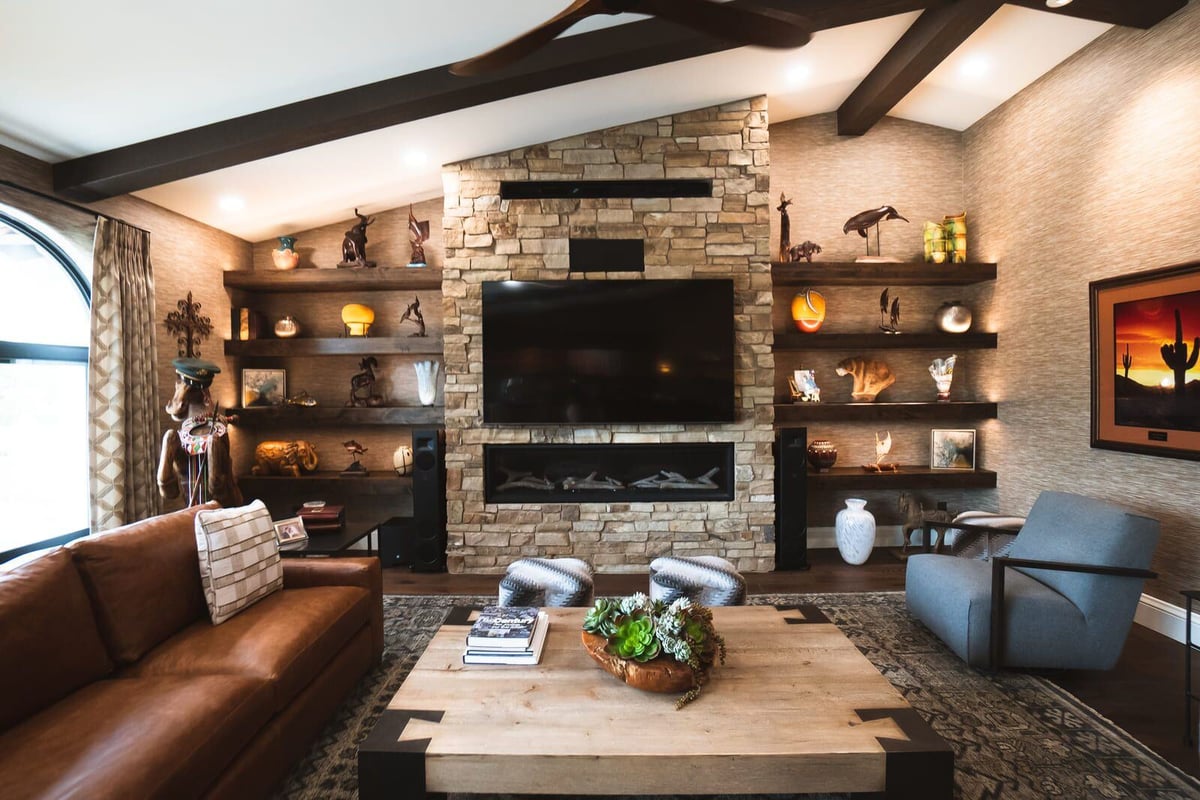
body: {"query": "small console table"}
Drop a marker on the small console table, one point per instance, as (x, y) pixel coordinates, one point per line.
(334, 544)
(1189, 696)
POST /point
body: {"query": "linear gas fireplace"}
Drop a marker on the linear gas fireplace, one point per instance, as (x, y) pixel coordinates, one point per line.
(597, 473)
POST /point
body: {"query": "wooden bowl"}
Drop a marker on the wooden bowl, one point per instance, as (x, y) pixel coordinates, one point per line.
(662, 674)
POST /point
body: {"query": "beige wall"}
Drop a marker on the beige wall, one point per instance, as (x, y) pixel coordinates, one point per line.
(1090, 173)
(187, 257)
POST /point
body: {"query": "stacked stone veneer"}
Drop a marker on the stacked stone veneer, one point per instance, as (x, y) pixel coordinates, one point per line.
(723, 236)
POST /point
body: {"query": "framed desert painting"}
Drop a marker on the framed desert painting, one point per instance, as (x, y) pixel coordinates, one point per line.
(1145, 370)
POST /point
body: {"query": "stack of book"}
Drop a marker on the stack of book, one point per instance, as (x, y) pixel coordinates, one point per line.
(513, 635)
(327, 518)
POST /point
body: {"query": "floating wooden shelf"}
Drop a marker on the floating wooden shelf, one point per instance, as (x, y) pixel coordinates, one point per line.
(377, 483)
(884, 341)
(909, 477)
(872, 412)
(285, 416)
(334, 280)
(348, 346)
(853, 273)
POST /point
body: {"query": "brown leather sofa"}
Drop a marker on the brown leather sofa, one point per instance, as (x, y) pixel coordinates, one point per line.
(115, 684)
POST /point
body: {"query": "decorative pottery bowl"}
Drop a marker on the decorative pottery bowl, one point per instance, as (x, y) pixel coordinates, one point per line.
(822, 455)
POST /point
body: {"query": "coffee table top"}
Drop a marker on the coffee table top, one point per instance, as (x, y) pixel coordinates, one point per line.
(795, 708)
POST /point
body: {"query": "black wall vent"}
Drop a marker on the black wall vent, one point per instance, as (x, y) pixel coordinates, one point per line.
(542, 190)
(607, 255)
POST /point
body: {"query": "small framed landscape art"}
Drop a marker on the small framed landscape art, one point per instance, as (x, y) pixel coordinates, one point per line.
(952, 449)
(290, 531)
(263, 387)
(1145, 370)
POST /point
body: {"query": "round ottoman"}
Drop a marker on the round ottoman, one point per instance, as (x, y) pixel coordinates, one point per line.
(547, 582)
(708, 580)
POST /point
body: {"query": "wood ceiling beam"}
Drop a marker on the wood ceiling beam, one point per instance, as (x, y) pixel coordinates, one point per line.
(935, 35)
(595, 54)
(1129, 13)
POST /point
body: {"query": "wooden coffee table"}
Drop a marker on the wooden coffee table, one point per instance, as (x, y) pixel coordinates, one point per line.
(795, 709)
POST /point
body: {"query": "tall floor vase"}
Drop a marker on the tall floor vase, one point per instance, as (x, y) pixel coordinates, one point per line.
(855, 531)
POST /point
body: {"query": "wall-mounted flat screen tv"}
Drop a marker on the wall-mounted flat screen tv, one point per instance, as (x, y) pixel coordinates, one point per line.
(611, 351)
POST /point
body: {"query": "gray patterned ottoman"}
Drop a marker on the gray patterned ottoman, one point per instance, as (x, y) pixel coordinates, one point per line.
(547, 582)
(708, 580)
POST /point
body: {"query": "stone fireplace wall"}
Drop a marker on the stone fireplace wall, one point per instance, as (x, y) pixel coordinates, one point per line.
(723, 236)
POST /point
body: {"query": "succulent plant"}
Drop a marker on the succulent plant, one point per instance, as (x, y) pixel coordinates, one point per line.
(601, 618)
(635, 638)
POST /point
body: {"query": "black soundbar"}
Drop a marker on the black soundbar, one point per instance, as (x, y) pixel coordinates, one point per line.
(544, 190)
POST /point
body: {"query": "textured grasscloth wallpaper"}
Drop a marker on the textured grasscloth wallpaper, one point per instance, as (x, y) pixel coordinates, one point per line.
(1092, 172)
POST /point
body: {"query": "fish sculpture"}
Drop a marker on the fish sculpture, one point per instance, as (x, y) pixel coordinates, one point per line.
(865, 220)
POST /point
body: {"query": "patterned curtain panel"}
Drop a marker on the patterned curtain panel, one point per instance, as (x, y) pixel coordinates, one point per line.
(122, 387)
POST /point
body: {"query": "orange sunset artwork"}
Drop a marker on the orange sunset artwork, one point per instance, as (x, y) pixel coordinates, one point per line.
(1157, 362)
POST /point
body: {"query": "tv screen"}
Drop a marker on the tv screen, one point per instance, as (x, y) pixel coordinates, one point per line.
(579, 352)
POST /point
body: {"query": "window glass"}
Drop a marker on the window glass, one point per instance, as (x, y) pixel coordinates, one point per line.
(44, 485)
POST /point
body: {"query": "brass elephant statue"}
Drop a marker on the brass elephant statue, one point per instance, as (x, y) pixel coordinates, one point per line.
(284, 458)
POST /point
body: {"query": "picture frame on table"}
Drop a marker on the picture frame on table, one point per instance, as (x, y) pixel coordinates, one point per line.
(952, 448)
(263, 387)
(290, 531)
(1145, 335)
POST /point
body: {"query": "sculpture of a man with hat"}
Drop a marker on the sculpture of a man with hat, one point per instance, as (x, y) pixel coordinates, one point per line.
(197, 455)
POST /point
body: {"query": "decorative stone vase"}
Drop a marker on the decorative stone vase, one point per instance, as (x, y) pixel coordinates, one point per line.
(855, 531)
(822, 455)
(285, 256)
(287, 328)
(953, 317)
(426, 381)
(402, 460)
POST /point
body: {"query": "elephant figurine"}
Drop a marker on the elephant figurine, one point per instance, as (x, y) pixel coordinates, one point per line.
(284, 458)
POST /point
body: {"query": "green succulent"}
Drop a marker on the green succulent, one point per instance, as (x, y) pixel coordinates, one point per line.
(601, 618)
(635, 638)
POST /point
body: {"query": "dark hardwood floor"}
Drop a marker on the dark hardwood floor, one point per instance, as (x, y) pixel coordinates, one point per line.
(1143, 694)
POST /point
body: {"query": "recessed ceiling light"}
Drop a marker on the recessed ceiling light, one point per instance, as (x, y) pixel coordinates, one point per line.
(1057, 3)
(975, 67)
(798, 74)
(231, 202)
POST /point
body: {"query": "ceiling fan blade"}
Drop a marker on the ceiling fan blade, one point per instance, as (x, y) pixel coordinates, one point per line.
(516, 49)
(736, 21)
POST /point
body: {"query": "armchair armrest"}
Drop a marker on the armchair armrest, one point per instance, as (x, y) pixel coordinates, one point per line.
(300, 573)
(999, 563)
(928, 525)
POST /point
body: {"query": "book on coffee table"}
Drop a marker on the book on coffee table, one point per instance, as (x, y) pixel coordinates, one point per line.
(503, 628)
(510, 655)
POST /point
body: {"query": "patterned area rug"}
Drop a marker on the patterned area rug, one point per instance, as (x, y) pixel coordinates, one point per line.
(1015, 736)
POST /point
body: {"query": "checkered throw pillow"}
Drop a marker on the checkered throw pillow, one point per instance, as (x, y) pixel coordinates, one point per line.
(239, 558)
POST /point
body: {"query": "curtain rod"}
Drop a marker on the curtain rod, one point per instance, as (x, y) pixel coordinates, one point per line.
(68, 204)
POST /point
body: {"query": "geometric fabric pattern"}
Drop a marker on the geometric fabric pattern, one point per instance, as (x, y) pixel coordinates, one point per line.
(707, 580)
(557, 582)
(122, 388)
(239, 558)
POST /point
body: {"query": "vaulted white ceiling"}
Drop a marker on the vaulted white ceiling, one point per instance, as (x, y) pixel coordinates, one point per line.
(79, 78)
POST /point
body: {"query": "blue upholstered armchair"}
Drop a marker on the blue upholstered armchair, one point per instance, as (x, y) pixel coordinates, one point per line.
(1063, 597)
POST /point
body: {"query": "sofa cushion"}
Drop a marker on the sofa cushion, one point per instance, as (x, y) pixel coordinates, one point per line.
(142, 581)
(49, 644)
(238, 558)
(286, 639)
(146, 738)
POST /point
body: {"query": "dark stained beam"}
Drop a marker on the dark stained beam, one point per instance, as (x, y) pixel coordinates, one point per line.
(595, 54)
(1129, 13)
(935, 34)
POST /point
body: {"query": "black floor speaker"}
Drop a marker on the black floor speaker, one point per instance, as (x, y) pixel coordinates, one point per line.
(429, 501)
(791, 499)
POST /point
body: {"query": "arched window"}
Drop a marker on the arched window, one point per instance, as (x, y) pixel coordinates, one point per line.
(44, 333)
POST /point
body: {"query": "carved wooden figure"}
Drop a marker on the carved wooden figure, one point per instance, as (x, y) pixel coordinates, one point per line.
(196, 457)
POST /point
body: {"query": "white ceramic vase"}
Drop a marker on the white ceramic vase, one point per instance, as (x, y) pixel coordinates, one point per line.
(426, 381)
(855, 531)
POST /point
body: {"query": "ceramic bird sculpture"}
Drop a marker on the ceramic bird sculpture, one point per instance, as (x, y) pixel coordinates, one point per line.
(889, 322)
(864, 220)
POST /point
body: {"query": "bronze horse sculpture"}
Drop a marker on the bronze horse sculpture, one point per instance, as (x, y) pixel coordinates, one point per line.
(197, 455)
